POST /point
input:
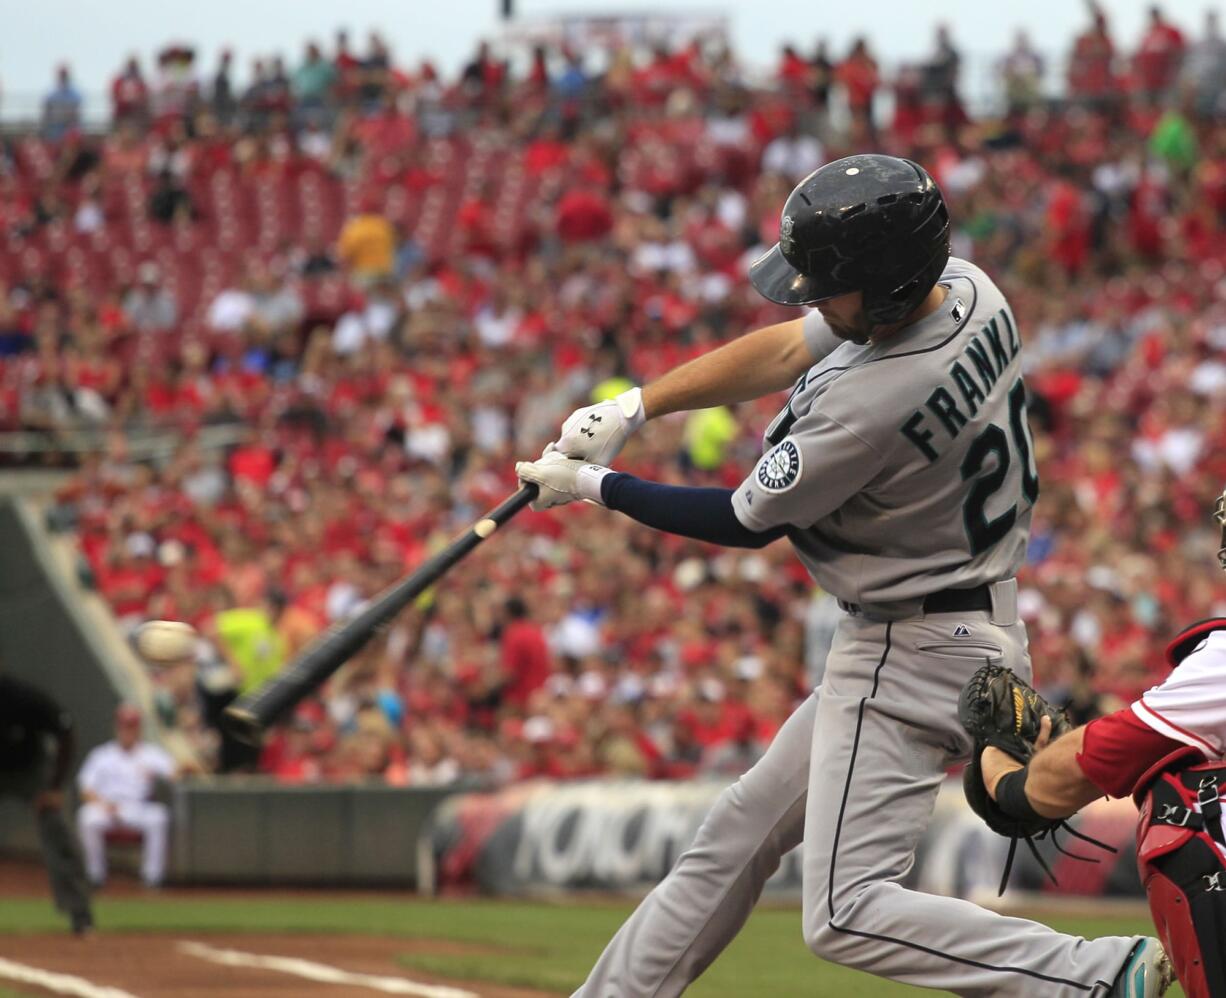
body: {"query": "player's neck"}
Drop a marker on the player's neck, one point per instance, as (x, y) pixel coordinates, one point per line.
(933, 301)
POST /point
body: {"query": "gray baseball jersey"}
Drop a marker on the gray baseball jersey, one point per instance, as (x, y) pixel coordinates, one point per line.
(905, 467)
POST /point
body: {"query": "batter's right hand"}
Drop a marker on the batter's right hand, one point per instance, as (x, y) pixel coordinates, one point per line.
(597, 433)
(562, 480)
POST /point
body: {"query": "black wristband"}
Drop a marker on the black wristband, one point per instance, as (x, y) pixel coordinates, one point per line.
(1011, 796)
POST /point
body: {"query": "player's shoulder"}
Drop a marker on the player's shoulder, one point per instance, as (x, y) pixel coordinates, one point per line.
(1205, 638)
(957, 267)
(977, 289)
(917, 389)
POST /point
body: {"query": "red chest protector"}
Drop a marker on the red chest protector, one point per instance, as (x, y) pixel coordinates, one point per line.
(1181, 852)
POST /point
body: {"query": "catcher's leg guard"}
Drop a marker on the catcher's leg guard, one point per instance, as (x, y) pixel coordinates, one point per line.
(1181, 851)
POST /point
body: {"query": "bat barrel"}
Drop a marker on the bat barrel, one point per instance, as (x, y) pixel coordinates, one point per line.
(248, 717)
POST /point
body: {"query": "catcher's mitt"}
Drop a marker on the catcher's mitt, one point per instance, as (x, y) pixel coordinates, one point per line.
(1001, 710)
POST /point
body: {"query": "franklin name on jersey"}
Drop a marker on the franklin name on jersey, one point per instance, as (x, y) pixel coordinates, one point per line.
(989, 358)
(905, 466)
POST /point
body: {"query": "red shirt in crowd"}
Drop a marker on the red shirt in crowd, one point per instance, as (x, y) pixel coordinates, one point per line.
(583, 216)
(1089, 73)
(1157, 59)
(1068, 225)
(525, 657)
(129, 95)
(858, 75)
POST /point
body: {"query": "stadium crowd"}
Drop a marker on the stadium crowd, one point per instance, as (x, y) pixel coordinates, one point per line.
(395, 284)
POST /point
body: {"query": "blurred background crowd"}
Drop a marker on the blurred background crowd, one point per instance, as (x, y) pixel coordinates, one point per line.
(381, 287)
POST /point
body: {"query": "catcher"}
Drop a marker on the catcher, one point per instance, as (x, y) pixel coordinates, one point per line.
(1031, 770)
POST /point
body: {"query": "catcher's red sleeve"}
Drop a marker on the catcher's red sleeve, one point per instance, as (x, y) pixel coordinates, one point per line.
(1119, 748)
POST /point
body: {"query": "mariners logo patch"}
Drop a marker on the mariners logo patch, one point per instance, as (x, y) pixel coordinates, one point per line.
(779, 470)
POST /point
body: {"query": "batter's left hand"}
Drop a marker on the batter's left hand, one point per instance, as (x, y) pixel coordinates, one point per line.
(597, 433)
(561, 479)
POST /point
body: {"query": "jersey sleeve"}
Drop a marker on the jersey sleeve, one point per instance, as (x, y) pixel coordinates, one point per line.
(1117, 750)
(819, 337)
(806, 476)
(1190, 704)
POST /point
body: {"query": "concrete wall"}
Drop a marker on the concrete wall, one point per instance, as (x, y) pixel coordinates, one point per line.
(240, 831)
(43, 641)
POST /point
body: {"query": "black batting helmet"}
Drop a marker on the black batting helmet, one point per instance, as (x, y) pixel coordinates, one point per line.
(874, 224)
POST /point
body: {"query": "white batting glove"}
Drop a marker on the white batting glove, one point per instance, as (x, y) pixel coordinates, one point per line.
(561, 480)
(597, 433)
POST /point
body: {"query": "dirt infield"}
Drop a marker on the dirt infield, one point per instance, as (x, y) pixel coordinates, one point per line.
(172, 965)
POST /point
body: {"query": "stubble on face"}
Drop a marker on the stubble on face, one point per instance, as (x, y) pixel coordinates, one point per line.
(845, 316)
(855, 333)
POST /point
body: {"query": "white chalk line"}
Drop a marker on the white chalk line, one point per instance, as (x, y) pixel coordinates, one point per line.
(63, 984)
(322, 972)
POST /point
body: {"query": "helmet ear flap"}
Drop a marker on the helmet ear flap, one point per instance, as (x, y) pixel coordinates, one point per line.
(884, 308)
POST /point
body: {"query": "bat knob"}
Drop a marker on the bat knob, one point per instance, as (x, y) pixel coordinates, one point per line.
(243, 726)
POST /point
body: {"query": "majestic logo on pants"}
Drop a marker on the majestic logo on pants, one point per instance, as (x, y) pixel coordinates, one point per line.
(779, 470)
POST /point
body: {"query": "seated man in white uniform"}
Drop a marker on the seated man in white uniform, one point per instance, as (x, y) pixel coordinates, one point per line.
(116, 782)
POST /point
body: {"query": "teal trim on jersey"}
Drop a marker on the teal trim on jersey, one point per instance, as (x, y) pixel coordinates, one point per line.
(981, 532)
(978, 354)
(992, 332)
(920, 437)
(942, 405)
(1020, 426)
(972, 394)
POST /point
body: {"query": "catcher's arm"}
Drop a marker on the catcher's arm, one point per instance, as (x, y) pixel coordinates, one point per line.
(1054, 782)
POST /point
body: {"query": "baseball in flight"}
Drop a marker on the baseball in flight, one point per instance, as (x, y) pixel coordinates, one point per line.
(165, 640)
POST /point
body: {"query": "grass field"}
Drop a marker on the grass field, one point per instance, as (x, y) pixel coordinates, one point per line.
(544, 946)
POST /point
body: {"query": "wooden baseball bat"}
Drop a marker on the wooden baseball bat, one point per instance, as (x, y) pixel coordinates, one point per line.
(250, 715)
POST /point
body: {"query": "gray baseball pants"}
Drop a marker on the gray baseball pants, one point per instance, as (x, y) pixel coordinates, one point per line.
(854, 773)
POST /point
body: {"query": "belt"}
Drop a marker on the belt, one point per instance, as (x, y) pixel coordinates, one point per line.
(959, 600)
(946, 601)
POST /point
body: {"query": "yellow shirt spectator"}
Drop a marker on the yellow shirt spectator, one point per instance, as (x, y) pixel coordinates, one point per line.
(367, 245)
(253, 644)
(708, 433)
(611, 388)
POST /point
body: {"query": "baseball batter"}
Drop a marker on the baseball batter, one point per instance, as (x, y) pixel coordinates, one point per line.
(901, 472)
